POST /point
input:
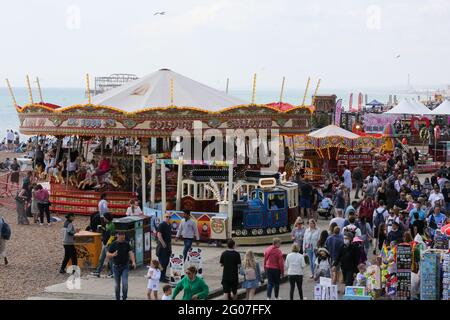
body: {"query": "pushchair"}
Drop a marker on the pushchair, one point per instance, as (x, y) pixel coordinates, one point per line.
(326, 208)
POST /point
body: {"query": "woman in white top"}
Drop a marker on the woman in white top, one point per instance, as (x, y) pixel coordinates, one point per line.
(295, 263)
(133, 210)
(310, 243)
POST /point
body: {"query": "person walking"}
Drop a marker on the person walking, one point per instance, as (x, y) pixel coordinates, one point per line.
(108, 235)
(295, 264)
(230, 260)
(298, 233)
(306, 192)
(334, 246)
(164, 245)
(21, 204)
(193, 287)
(121, 253)
(3, 240)
(348, 259)
(274, 267)
(358, 176)
(188, 230)
(43, 196)
(70, 252)
(251, 271)
(310, 243)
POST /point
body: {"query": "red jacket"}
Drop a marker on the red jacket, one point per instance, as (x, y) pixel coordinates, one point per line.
(273, 259)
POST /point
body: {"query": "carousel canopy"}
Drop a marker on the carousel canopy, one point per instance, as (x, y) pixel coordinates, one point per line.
(375, 103)
(409, 107)
(442, 109)
(154, 90)
(332, 131)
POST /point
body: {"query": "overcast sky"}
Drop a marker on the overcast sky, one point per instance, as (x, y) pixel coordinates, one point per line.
(346, 43)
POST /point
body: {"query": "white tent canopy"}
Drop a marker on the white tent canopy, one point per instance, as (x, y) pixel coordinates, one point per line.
(442, 109)
(332, 131)
(154, 90)
(409, 107)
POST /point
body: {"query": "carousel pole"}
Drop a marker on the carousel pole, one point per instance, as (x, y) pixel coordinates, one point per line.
(254, 89)
(179, 180)
(306, 91)
(230, 198)
(39, 89)
(143, 179)
(134, 156)
(282, 90)
(11, 93)
(88, 88)
(153, 184)
(163, 188)
(30, 93)
(112, 149)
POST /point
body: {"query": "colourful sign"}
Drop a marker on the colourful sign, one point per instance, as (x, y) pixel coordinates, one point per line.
(338, 112)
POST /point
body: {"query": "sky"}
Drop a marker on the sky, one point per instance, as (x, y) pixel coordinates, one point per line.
(345, 43)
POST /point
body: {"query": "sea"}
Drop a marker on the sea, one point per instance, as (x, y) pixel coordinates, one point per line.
(71, 96)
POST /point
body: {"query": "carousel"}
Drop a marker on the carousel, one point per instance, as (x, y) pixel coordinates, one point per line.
(127, 134)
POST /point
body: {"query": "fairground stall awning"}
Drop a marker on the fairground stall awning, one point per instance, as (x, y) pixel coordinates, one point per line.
(409, 107)
(156, 105)
(442, 109)
(333, 136)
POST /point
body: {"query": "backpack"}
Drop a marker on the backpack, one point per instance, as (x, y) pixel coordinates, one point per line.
(379, 217)
(6, 230)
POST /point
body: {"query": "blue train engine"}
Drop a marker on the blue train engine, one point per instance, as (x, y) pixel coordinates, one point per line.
(265, 211)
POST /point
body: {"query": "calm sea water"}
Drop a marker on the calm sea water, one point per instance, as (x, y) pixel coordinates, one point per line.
(67, 97)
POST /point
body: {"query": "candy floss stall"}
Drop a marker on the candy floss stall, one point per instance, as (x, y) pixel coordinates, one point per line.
(146, 112)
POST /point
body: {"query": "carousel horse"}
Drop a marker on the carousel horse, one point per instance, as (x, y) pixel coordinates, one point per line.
(118, 174)
(290, 170)
(109, 179)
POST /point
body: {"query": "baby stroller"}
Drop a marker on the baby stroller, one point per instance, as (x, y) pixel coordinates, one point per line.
(326, 208)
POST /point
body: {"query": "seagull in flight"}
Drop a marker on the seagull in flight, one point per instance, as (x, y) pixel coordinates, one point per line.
(160, 13)
(398, 56)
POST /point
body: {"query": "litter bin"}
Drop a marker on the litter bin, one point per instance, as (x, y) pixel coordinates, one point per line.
(89, 246)
(137, 232)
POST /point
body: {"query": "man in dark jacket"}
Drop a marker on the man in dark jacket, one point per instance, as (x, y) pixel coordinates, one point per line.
(396, 233)
(348, 259)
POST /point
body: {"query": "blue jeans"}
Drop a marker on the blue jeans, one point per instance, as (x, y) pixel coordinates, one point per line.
(102, 260)
(312, 259)
(187, 246)
(447, 208)
(273, 282)
(121, 274)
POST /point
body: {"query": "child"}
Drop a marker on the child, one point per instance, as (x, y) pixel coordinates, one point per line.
(167, 289)
(323, 264)
(153, 275)
(361, 280)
